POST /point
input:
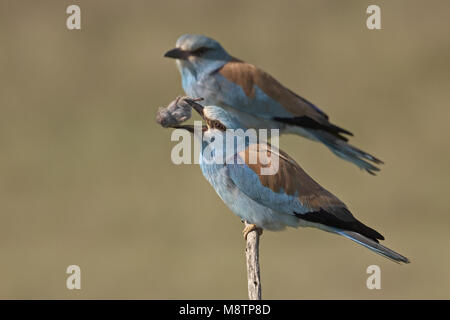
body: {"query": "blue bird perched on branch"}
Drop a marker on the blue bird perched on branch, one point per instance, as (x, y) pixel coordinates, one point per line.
(258, 99)
(286, 197)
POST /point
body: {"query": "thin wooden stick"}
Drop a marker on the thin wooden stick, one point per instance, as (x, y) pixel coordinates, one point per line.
(252, 255)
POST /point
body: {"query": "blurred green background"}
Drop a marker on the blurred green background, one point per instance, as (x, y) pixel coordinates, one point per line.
(86, 176)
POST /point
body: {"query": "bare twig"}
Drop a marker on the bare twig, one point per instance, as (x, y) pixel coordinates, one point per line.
(252, 255)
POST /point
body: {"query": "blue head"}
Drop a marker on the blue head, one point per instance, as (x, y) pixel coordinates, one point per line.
(197, 54)
(219, 129)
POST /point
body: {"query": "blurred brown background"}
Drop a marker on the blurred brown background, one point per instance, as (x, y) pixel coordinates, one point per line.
(86, 176)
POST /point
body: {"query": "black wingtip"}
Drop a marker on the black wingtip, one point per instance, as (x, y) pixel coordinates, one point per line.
(307, 122)
(341, 130)
(341, 218)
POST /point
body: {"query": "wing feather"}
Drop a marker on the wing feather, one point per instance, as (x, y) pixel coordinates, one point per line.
(249, 77)
(291, 190)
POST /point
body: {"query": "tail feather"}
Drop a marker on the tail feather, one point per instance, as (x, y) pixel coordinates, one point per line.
(348, 152)
(374, 246)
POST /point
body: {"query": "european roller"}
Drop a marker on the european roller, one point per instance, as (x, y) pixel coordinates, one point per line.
(256, 98)
(285, 197)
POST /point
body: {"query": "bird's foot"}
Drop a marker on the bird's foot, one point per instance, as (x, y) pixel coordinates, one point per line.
(249, 228)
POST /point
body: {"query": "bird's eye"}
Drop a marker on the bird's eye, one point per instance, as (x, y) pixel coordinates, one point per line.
(200, 51)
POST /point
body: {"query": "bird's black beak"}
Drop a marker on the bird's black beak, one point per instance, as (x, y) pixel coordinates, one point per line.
(189, 127)
(177, 54)
(196, 106)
